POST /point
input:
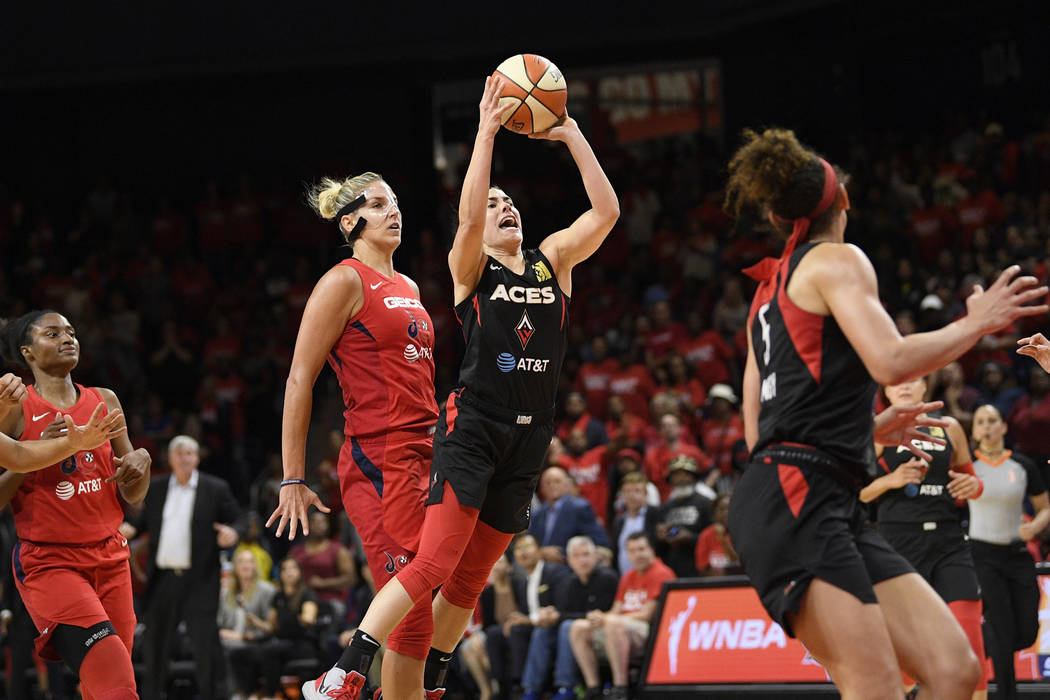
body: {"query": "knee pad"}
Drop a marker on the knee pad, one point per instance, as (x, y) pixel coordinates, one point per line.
(469, 579)
(73, 643)
(968, 614)
(413, 634)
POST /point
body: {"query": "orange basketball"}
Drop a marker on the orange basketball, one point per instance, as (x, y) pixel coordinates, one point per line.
(537, 87)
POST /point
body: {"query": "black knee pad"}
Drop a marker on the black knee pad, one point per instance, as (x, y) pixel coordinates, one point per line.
(73, 643)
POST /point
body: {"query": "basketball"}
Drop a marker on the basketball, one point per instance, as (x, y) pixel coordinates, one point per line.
(537, 87)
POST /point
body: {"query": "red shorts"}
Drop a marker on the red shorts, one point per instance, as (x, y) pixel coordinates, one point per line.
(384, 485)
(79, 586)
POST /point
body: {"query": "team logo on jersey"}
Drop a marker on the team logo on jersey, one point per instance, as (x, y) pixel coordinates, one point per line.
(523, 295)
(542, 273)
(524, 329)
(69, 466)
(508, 363)
(395, 564)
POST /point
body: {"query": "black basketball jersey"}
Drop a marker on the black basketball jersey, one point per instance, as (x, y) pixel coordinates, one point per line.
(923, 502)
(515, 327)
(815, 390)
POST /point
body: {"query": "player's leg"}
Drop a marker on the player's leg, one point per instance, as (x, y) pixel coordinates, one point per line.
(954, 578)
(930, 645)
(98, 655)
(859, 655)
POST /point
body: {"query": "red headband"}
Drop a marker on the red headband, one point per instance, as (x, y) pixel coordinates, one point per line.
(767, 268)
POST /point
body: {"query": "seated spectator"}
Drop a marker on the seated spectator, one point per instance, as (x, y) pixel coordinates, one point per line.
(627, 461)
(1030, 420)
(589, 468)
(633, 383)
(624, 630)
(666, 333)
(291, 621)
(671, 445)
(593, 377)
(562, 516)
(720, 431)
(244, 609)
(577, 417)
(682, 517)
(660, 405)
(687, 390)
(531, 588)
(624, 429)
(328, 568)
(949, 385)
(639, 516)
(997, 388)
(714, 553)
(707, 353)
(588, 588)
(250, 543)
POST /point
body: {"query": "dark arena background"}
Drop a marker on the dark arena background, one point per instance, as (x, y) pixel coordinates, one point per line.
(152, 188)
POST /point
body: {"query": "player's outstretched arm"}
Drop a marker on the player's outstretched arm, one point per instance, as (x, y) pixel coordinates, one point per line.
(30, 456)
(335, 298)
(845, 279)
(466, 257)
(571, 246)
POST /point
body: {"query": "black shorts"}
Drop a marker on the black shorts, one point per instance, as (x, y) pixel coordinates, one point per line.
(941, 555)
(492, 457)
(791, 521)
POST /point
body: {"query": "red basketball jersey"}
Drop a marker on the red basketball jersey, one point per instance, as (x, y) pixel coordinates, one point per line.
(68, 502)
(385, 358)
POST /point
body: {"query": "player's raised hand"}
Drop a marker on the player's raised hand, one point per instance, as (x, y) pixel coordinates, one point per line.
(1037, 347)
(1005, 301)
(293, 510)
(12, 390)
(565, 127)
(899, 425)
(98, 430)
(491, 114)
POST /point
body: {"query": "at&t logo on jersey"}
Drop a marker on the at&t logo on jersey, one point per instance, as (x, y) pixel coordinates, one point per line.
(508, 363)
(414, 353)
(523, 295)
(65, 490)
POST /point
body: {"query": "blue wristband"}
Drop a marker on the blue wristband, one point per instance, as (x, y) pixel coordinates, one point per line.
(289, 482)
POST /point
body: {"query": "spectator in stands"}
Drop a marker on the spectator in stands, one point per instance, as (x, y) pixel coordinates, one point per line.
(328, 568)
(244, 612)
(623, 428)
(623, 631)
(588, 588)
(714, 552)
(707, 352)
(996, 389)
(187, 516)
(250, 543)
(720, 431)
(1030, 419)
(949, 385)
(531, 588)
(665, 334)
(730, 312)
(589, 468)
(627, 461)
(638, 516)
(681, 518)
(592, 379)
(658, 457)
(687, 390)
(562, 516)
(577, 417)
(291, 620)
(632, 382)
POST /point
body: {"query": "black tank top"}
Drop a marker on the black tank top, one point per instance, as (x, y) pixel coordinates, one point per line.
(815, 390)
(923, 502)
(515, 327)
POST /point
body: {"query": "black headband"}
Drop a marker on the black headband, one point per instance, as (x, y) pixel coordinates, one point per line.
(350, 208)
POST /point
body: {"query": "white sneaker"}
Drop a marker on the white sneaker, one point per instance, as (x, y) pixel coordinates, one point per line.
(335, 684)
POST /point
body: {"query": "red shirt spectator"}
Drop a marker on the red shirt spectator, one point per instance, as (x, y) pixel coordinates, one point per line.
(658, 457)
(590, 471)
(931, 229)
(635, 385)
(979, 211)
(721, 430)
(709, 355)
(1030, 418)
(622, 427)
(637, 587)
(666, 334)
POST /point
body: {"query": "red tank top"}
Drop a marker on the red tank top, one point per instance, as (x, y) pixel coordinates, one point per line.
(68, 502)
(385, 358)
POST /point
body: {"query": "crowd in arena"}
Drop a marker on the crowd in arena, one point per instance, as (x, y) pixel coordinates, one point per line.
(190, 311)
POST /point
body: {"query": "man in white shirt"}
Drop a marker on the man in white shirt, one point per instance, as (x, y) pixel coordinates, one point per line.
(188, 516)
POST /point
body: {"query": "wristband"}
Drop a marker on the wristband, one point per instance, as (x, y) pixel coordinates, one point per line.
(290, 482)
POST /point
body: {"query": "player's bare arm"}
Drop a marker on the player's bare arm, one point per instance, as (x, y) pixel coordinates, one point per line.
(466, 257)
(132, 466)
(571, 246)
(23, 457)
(336, 297)
(845, 281)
